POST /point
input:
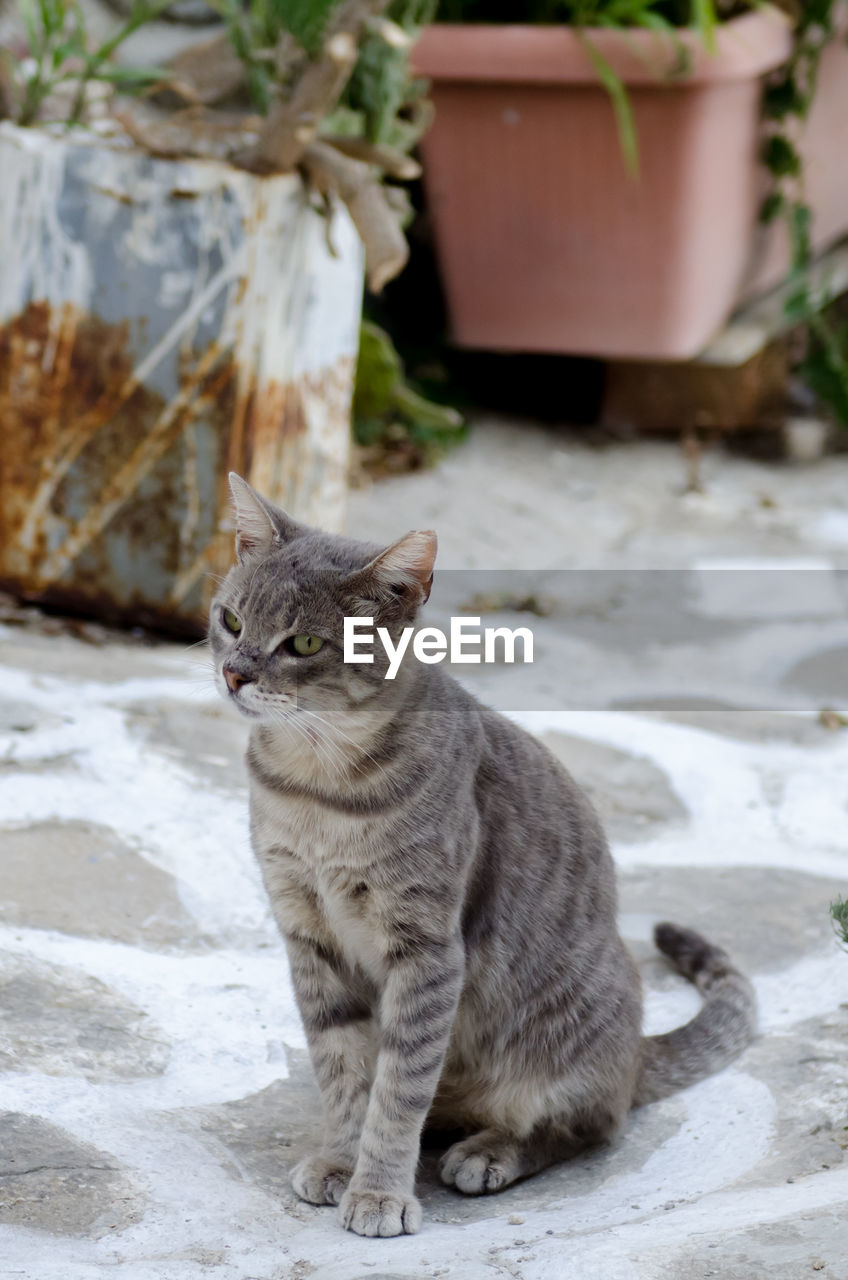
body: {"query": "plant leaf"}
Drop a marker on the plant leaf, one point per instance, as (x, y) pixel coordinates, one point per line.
(780, 156)
(621, 105)
(306, 20)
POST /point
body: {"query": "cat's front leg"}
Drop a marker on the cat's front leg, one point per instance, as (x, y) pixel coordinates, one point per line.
(341, 1035)
(417, 1009)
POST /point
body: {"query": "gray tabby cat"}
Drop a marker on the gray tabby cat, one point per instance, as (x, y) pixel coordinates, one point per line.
(445, 892)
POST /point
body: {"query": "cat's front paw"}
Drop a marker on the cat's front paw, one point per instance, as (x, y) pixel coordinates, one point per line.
(319, 1180)
(379, 1213)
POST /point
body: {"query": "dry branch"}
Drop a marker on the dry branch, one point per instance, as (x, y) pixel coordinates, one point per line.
(392, 162)
(339, 168)
(205, 73)
(293, 122)
(354, 182)
(196, 131)
(291, 125)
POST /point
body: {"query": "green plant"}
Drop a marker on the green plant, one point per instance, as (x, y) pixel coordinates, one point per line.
(786, 104)
(372, 113)
(394, 423)
(60, 55)
(330, 78)
(390, 106)
(663, 16)
(839, 914)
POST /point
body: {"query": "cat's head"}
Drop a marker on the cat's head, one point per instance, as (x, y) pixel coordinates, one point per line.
(276, 625)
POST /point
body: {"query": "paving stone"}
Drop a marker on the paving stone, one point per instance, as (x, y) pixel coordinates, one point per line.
(807, 1073)
(823, 675)
(330, 1274)
(78, 877)
(206, 738)
(17, 721)
(50, 1181)
(766, 918)
(644, 1133)
(809, 1246)
(634, 797)
(23, 717)
(60, 1022)
(63, 763)
(70, 658)
(741, 723)
(266, 1133)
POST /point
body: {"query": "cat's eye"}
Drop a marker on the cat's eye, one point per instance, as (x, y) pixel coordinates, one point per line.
(231, 622)
(305, 646)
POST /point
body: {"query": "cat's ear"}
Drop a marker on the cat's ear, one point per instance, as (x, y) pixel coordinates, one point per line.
(259, 524)
(402, 574)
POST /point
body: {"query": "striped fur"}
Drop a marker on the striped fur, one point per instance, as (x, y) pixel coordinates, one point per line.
(445, 891)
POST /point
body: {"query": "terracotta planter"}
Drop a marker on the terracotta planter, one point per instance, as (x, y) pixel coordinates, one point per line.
(545, 242)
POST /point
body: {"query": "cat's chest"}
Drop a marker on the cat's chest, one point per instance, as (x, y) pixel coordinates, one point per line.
(352, 910)
(318, 832)
(336, 905)
(324, 874)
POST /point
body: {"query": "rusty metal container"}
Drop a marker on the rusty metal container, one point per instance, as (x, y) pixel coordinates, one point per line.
(161, 322)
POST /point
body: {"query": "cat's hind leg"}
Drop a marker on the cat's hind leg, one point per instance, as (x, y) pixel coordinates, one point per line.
(486, 1162)
(490, 1160)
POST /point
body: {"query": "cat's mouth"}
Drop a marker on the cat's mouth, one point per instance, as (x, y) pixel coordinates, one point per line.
(233, 694)
(245, 711)
(238, 702)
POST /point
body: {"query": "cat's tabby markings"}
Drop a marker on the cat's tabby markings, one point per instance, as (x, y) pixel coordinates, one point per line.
(444, 889)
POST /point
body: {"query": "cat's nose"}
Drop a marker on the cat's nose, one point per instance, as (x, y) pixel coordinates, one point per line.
(234, 680)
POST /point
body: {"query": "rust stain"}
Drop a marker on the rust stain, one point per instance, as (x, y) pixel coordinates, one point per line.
(99, 379)
(51, 367)
(123, 197)
(95, 466)
(122, 481)
(54, 365)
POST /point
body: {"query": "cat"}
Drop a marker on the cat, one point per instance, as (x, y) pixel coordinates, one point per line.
(444, 889)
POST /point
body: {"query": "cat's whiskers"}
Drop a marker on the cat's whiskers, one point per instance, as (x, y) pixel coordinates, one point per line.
(188, 648)
(200, 677)
(331, 750)
(291, 710)
(325, 752)
(336, 746)
(200, 682)
(357, 746)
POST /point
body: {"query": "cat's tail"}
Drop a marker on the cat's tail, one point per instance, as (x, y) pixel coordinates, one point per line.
(720, 1031)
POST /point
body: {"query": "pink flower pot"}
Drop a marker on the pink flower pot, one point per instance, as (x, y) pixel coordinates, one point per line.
(544, 240)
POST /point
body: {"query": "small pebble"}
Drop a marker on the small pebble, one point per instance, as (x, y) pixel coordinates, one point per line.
(515, 1220)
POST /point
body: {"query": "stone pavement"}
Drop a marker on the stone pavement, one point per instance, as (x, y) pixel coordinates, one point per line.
(154, 1086)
